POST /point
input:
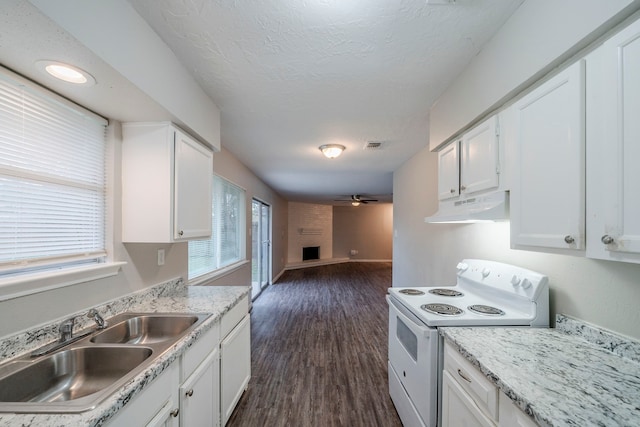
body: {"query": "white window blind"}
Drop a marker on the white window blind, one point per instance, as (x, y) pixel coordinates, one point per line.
(52, 180)
(227, 243)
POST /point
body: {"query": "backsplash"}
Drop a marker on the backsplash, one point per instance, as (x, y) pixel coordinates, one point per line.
(618, 344)
(36, 337)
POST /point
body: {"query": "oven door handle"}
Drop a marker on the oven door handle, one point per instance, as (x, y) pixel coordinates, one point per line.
(414, 325)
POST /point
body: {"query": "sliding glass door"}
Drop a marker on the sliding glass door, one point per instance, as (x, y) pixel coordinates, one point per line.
(260, 246)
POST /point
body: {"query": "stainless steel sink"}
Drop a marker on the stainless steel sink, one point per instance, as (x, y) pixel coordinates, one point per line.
(79, 376)
(146, 329)
(71, 374)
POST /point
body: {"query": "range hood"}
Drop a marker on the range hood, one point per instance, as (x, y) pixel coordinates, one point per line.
(482, 208)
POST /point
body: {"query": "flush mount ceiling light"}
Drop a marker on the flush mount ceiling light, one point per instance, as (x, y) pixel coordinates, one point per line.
(332, 151)
(66, 72)
(355, 203)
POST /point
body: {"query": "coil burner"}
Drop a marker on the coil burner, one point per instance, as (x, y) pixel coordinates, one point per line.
(411, 292)
(445, 292)
(443, 309)
(486, 310)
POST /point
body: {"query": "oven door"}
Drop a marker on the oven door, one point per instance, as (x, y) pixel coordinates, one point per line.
(413, 354)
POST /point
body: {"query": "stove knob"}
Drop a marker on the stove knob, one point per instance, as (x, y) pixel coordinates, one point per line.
(462, 266)
(485, 272)
(526, 283)
(515, 281)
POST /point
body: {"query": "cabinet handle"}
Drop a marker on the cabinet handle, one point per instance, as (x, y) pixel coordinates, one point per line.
(175, 412)
(180, 233)
(464, 377)
(462, 188)
(189, 393)
(569, 239)
(606, 239)
(453, 190)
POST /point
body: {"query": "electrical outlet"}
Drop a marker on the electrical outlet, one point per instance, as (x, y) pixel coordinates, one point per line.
(160, 256)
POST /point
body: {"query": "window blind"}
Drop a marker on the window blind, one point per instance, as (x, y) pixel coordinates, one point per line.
(52, 179)
(227, 243)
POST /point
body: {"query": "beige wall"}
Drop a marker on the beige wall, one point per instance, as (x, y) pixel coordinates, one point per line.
(365, 228)
(601, 292)
(142, 270)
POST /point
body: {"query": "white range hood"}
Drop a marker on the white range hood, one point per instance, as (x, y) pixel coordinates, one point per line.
(482, 208)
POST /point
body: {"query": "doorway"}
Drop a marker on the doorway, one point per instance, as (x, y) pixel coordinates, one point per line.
(260, 246)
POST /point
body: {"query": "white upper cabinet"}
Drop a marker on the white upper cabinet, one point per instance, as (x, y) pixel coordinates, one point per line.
(166, 184)
(613, 148)
(472, 164)
(480, 158)
(449, 171)
(548, 191)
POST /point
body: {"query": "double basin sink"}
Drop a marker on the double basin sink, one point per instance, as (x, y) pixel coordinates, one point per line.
(80, 375)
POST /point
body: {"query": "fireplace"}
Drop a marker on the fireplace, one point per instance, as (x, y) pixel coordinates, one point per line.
(310, 252)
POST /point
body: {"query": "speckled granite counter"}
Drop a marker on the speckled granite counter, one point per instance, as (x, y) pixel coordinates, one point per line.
(170, 297)
(574, 375)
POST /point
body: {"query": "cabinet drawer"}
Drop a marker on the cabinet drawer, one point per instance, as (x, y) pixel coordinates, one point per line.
(481, 390)
(234, 316)
(208, 342)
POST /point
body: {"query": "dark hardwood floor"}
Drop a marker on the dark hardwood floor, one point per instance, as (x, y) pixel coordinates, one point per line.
(319, 350)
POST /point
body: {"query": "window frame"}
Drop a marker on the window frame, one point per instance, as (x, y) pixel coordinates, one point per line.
(218, 270)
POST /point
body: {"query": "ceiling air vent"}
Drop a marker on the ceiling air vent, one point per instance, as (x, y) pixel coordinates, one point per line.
(373, 145)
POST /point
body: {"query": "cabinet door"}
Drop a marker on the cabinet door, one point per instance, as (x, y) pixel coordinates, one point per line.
(193, 179)
(479, 169)
(235, 366)
(449, 171)
(511, 415)
(548, 195)
(613, 148)
(458, 408)
(199, 395)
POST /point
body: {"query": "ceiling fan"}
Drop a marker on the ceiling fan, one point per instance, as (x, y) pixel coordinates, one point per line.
(356, 200)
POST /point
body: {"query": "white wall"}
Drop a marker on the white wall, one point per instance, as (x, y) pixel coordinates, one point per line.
(539, 35)
(602, 292)
(318, 219)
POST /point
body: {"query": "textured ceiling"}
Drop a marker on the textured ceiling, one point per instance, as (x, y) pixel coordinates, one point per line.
(290, 75)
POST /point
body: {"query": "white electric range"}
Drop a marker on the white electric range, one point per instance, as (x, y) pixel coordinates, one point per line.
(486, 293)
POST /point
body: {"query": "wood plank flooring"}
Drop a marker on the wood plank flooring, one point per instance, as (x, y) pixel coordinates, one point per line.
(319, 350)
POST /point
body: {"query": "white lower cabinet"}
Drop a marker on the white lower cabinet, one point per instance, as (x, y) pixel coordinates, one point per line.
(235, 358)
(204, 385)
(156, 406)
(511, 415)
(469, 399)
(458, 407)
(200, 394)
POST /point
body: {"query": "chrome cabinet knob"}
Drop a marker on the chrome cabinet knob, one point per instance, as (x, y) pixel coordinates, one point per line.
(462, 188)
(180, 233)
(175, 412)
(606, 239)
(569, 239)
(453, 190)
(189, 393)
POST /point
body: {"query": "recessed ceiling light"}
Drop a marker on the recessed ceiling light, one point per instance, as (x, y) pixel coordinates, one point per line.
(66, 72)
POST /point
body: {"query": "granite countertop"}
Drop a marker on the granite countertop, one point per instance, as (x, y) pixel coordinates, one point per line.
(169, 297)
(575, 375)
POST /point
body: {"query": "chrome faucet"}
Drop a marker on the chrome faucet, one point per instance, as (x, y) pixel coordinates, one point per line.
(100, 322)
(66, 329)
(66, 333)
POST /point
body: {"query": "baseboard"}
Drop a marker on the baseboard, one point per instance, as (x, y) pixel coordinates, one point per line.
(329, 261)
(275, 279)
